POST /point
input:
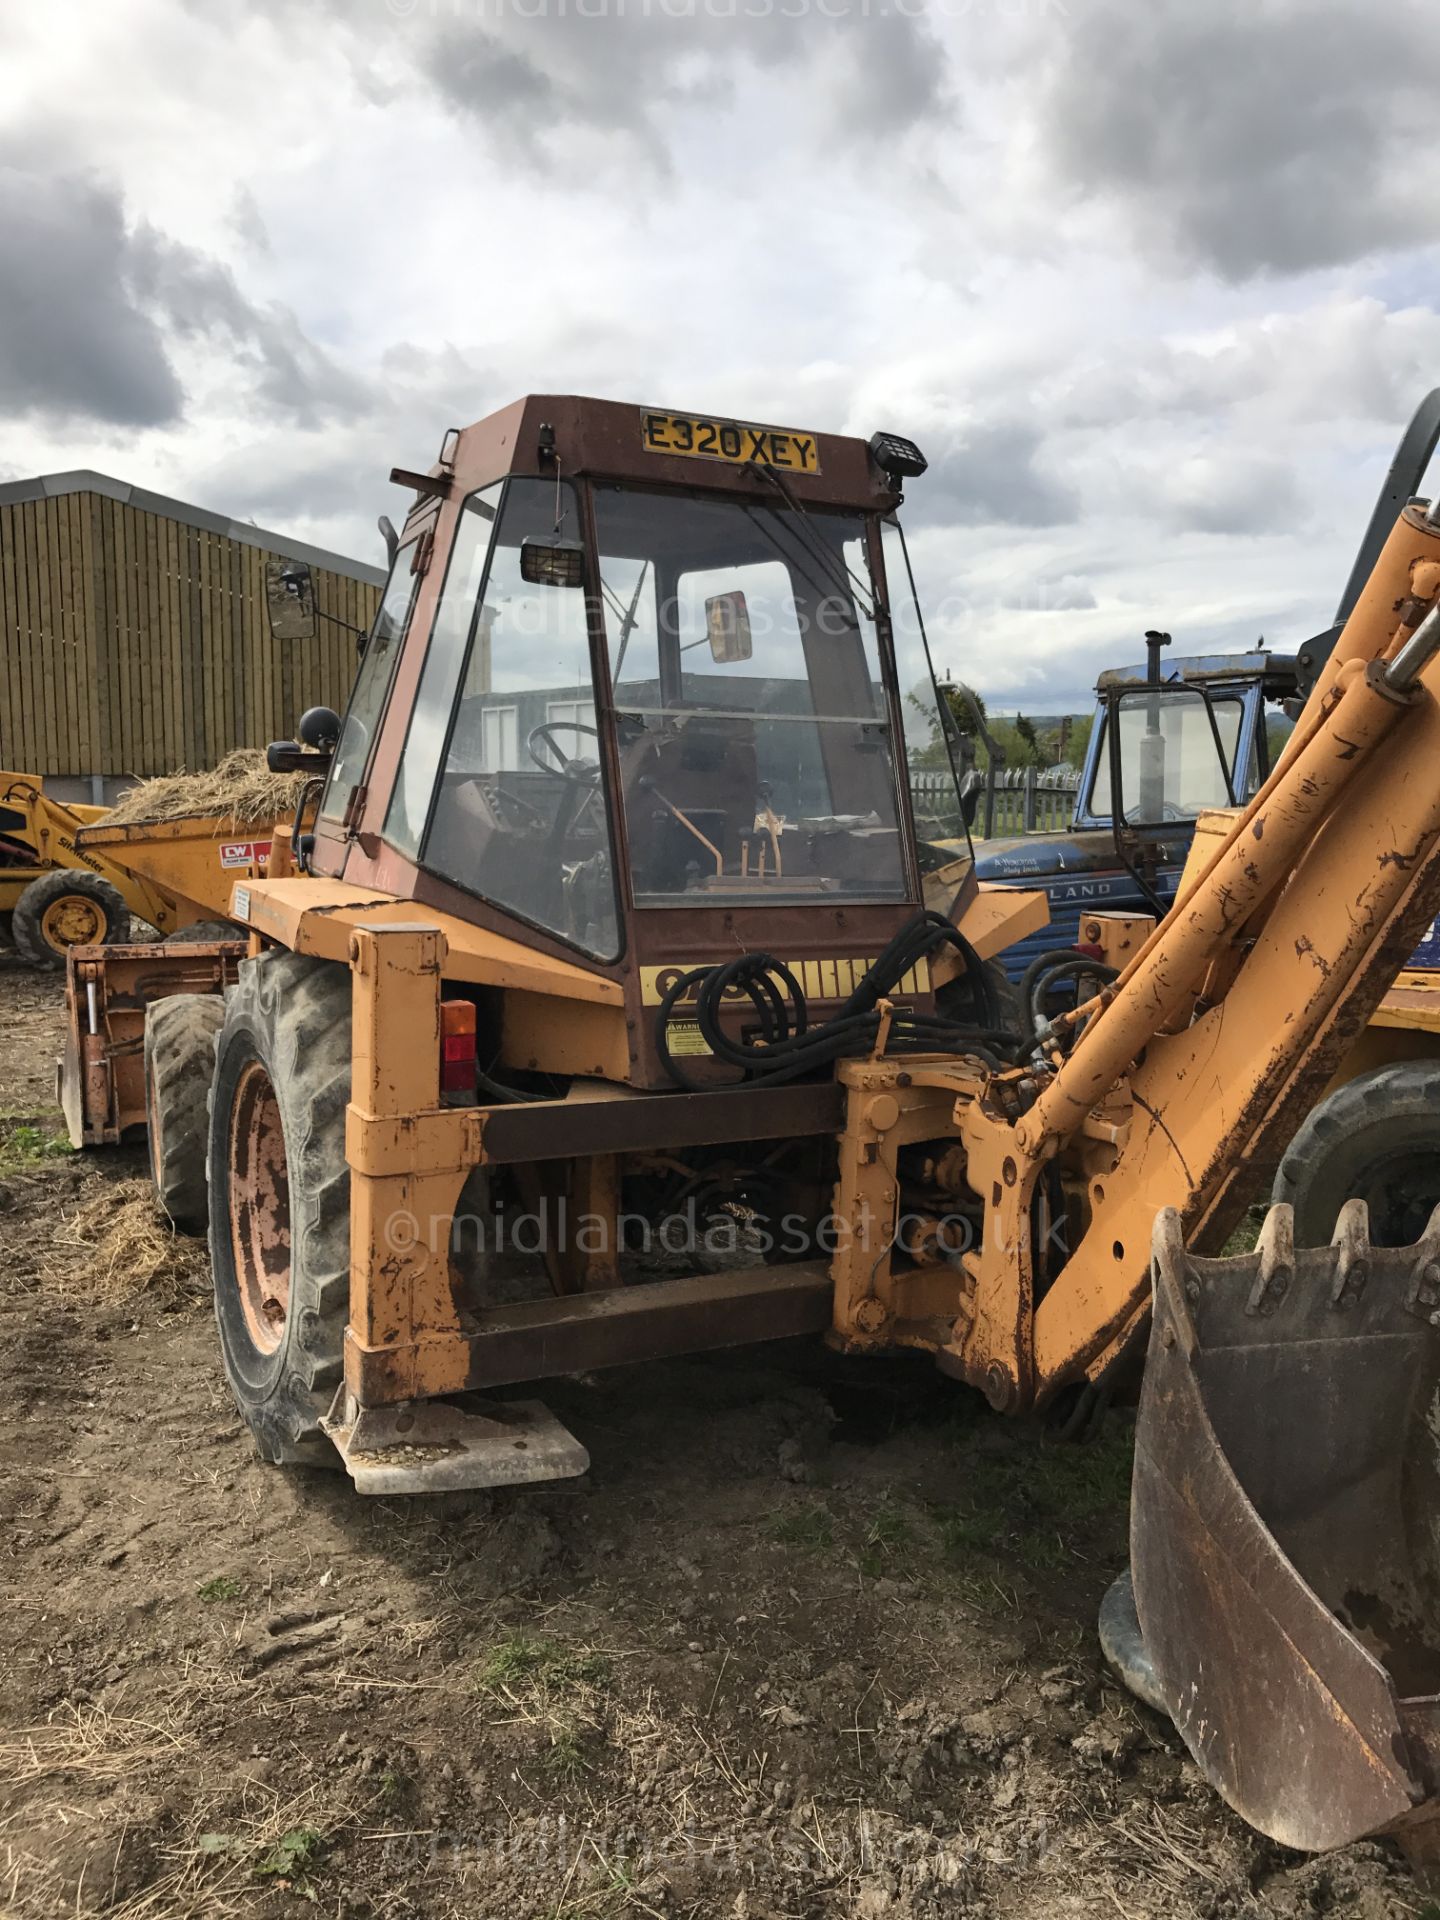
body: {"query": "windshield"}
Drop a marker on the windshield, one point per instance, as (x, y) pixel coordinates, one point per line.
(754, 737)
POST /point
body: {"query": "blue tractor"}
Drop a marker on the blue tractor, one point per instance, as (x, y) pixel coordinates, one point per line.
(1192, 732)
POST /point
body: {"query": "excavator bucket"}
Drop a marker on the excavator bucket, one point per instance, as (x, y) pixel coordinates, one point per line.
(1285, 1527)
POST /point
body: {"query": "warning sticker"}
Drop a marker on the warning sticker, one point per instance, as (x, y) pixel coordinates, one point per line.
(684, 1038)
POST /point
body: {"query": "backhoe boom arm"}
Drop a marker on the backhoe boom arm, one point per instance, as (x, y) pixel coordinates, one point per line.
(1186, 1078)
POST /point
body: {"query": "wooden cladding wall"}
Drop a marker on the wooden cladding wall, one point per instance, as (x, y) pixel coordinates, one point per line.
(136, 644)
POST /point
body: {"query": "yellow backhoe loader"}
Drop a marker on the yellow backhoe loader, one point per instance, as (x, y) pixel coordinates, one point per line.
(56, 893)
(612, 915)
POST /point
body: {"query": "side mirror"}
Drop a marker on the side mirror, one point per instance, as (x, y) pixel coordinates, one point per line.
(288, 756)
(290, 599)
(727, 626)
(552, 563)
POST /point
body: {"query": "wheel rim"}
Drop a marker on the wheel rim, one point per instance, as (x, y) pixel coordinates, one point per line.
(260, 1209)
(1400, 1191)
(73, 921)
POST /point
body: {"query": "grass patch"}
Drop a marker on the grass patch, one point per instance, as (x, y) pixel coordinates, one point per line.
(611, 1893)
(28, 1142)
(539, 1665)
(1242, 1240)
(810, 1528)
(557, 1690)
(888, 1542)
(222, 1587)
(292, 1860)
(1033, 1506)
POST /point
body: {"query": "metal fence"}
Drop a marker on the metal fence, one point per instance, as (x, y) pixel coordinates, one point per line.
(1018, 800)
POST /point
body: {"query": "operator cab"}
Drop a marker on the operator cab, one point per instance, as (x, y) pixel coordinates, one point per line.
(633, 664)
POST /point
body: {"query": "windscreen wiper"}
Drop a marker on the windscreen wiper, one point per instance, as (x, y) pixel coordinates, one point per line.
(836, 567)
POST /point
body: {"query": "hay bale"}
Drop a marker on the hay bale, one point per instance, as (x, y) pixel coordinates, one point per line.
(120, 1244)
(241, 790)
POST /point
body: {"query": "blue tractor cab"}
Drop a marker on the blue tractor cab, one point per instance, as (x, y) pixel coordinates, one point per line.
(1170, 739)
(1200, 732)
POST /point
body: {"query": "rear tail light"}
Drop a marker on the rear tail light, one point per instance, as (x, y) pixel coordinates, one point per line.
(457, 1049)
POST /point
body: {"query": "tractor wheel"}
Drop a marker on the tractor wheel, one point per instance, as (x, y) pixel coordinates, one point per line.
(280, 1198)
(180, 1033)
(1376, 1139)
(67, 907)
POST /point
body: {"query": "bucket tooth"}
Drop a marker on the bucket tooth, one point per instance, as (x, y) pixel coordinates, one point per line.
(1173, 1275)
(1423, 1297)
(1351, 1241)
(1275, 1255)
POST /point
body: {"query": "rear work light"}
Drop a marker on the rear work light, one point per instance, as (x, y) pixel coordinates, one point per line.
(457, 1051)
(897, 456)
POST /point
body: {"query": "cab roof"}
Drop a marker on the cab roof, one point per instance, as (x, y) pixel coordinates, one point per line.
(661, 446)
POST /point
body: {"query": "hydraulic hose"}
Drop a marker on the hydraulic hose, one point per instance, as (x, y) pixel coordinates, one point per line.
(788, 1046)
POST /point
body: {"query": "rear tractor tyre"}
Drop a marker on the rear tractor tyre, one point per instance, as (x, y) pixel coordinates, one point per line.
(1376, 1139)
(280, 1198)
(180, 1035)
(67, 907)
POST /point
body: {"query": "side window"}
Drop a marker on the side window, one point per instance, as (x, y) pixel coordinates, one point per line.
(444, 659)
(519, 814)
(1278, 726)
(372, 684)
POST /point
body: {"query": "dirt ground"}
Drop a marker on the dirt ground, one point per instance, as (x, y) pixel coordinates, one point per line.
(807, 1641)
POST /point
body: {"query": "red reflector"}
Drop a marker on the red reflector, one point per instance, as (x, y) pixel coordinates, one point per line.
(457, 1046)
(1090, 952)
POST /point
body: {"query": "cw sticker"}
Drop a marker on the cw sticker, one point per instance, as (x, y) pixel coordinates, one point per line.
(819, 979)
(244, 853)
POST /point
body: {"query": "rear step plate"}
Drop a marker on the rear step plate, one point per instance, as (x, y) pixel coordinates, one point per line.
(436, 1446)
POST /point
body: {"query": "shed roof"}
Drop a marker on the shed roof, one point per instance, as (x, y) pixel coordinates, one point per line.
(50, 486)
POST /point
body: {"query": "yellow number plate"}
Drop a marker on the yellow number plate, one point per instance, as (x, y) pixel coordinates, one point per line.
(730, 440)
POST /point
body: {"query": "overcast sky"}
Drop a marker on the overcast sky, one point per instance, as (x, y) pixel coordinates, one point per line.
(1154, 286)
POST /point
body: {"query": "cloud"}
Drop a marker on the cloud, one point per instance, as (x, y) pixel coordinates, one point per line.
(543, 86)
(1250, 136)
(73, 340)
(1244, 494)
(1068, 281)
(197, 294)
(92, 309)
(992, 472)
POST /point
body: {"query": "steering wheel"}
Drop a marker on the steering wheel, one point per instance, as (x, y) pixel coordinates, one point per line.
(584, 773)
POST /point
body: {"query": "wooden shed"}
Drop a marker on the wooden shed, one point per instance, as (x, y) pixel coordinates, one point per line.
(135, 639)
